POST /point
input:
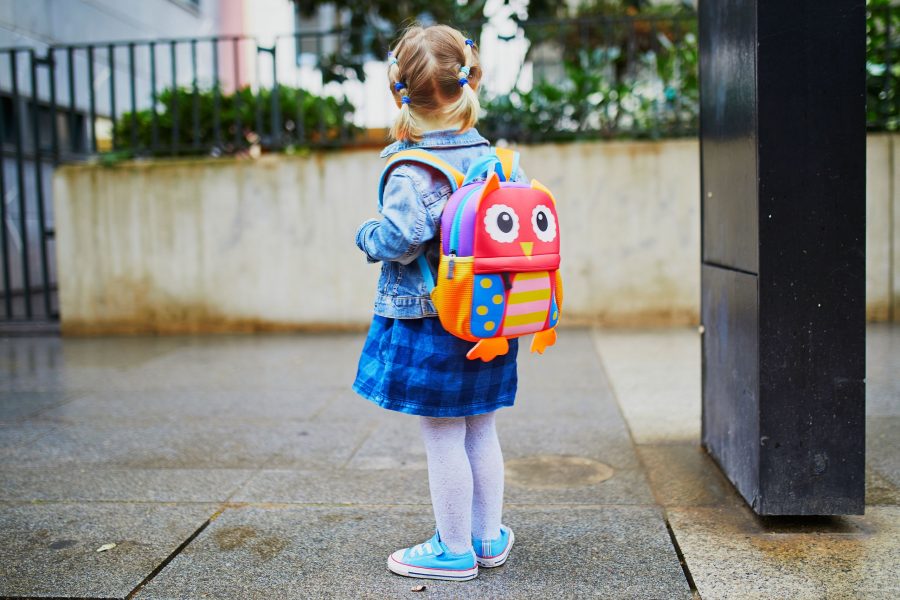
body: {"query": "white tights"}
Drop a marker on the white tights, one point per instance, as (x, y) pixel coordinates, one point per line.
(465, 474)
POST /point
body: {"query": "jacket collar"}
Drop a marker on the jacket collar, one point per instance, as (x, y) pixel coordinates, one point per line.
(446, 138)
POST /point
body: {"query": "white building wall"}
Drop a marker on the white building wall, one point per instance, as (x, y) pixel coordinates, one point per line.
(37, 23)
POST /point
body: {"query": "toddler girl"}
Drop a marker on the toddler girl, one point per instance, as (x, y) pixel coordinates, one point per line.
(409, 362)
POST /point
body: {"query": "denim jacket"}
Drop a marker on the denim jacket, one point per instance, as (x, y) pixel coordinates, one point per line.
(413, 199)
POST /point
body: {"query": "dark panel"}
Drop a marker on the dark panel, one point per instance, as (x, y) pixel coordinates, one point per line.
(784, 350)
(728, 132)
(812, 255)
(730, 370)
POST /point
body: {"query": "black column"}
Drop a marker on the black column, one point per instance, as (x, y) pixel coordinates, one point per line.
(783, 257)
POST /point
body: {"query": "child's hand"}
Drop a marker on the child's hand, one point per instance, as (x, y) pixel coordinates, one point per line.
(360, 236)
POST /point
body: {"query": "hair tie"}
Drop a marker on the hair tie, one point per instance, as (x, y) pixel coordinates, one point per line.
(404, 99)
(464, 70)
(470, 42)
(391, 61)
(463, 81)
(399, 86)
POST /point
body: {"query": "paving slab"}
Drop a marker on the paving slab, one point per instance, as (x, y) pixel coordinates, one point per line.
(571, 364)
(655, 375)
(883, 370)
(265, 552)
(200, 406)
(50, 549)
(47, 364)
(393, 444)
(273, 362)
(883, 447)
(879, 490)
(606, 441)
(185, 445)
(733, 554)
(136, 485)
(410, 486)
(238, 362)
(16, 406)
(345, 405)
(337, 486)
(17, 435)
(397, 444)
(685, 475)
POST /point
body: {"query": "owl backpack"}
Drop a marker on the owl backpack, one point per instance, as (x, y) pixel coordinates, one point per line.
(498, 277)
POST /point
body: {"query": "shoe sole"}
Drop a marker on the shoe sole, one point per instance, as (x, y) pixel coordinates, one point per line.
(425, 573)
(496, 561)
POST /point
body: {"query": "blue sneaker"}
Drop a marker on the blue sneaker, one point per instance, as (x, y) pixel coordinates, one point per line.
(433, 560)
(493, 553)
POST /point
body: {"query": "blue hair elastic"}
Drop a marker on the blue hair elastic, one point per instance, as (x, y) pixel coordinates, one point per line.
(392, 61)
(399, 86)
(470, 43)
(463, 81)
(464, 70)
(404, 99)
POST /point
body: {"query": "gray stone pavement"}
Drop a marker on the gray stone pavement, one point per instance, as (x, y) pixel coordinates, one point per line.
(244, 467)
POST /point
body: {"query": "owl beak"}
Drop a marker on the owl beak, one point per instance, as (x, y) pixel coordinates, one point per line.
(527, 247)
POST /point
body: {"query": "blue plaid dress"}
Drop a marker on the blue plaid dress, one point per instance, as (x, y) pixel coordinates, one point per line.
(415, 366)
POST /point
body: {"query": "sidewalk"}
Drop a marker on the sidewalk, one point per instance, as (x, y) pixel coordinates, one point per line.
(244, 467)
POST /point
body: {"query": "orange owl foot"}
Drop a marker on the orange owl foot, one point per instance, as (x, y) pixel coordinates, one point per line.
(543, 340)
(489, 349)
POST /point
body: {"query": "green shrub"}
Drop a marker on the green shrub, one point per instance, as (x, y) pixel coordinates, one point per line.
(245, 119)
(656, 95)
(882, 65)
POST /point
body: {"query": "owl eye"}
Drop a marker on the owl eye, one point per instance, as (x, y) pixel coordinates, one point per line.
(502, 223)
(543, 223)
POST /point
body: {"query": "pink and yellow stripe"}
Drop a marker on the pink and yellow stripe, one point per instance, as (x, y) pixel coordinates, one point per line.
(528, 303)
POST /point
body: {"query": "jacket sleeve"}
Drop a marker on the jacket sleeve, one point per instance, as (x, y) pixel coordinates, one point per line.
(406, 224)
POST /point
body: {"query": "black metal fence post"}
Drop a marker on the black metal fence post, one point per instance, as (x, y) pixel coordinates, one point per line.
(92, 99)
(39, 179)
(4, 242)
(73, 104)
(111, 59)
(154, 118)
(17, 122)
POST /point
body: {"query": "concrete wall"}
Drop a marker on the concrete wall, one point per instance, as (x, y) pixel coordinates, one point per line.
(225, 245)
(883, 228)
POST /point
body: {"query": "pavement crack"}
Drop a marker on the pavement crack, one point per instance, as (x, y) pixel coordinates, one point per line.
(174, 553)
(359, 445)
(681, 559)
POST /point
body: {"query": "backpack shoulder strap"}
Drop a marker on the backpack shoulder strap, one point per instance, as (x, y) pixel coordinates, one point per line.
(509, 161)
(503, 161)
(420, 157)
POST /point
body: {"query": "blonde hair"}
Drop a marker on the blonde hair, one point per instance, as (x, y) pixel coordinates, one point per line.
(433, 72)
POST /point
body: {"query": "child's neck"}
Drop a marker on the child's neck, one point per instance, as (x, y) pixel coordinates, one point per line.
(436, 123)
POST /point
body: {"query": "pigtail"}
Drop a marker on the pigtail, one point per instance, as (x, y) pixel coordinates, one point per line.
(405, 126)
(465, 109)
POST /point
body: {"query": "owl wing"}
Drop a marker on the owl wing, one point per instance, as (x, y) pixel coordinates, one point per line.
(488, 302)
